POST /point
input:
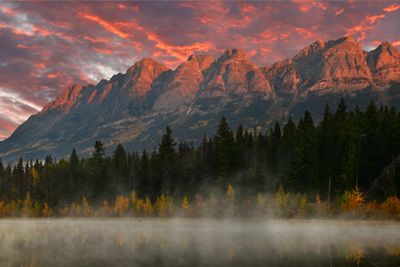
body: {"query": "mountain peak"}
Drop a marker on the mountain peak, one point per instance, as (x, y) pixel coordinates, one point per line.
(387, 46)
(66, 99)
(146, 63)
(203, 61)
(384, 61)
(233, 53)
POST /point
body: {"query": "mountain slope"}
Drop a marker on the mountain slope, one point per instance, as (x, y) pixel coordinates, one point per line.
(135, 107)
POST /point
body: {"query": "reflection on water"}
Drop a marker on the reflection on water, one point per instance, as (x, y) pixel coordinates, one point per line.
(189, 242)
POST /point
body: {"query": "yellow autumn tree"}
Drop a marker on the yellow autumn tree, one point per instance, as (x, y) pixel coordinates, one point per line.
(391, 206)
(164, 205)
(34, 177)
(139, 205)
(46, 211)
(261, 201)
(148, 207)
(132, 199)
(106, 209)
(121, 205)
(27, 206)
(86, 211)
(353, 200)
(281, 198)
(302, 205)
(230, 193)
(185, 204)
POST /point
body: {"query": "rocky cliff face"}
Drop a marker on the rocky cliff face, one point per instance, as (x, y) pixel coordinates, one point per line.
(384, 63)
(135, 107)
(184, 83)
(234, 74)
(334, 66)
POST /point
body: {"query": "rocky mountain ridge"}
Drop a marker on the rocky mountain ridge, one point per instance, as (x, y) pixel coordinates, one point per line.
(133, 108)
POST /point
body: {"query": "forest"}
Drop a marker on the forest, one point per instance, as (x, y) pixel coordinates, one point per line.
(299, 167)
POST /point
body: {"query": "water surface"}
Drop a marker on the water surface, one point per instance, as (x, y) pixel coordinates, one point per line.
(197, 242)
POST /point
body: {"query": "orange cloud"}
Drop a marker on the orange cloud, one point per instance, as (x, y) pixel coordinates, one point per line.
(360, 30)
(340, 11)
(104, 51)
(54, 75)
(306, 5)
(122, 6)
(247, 8)
(129, 24)
(23, 46)
(7, 11)
(180, 52)
(396, 43)
(392, 8)
(40, 65)
(105, 24)
(42, 31)
(306, 33)
(373, 19)
(96, 40)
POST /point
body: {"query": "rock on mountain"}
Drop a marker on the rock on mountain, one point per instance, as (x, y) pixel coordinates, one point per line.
(135, 107)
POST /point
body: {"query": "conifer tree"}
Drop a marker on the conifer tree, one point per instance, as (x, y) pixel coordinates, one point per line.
(74, 172)
(120, 167)
(167, 156)
(303, 176)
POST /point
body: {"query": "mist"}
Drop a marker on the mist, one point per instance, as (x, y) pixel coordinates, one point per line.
(197, 242)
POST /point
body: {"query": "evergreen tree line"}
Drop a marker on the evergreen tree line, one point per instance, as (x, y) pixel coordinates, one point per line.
(346, 150)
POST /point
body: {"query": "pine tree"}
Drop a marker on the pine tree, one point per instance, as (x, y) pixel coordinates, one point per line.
(273, 145)
(74, 172)
(286, 152)
(304, 172)
(227, 152)
(98, 169)
(2, 180)
(142, 183)
(370, 147)
(167, 156)
(120, 167)
(326, 151)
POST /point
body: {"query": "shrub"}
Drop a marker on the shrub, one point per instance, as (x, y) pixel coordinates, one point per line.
(121, 205)
(392, 206)
(353, 200)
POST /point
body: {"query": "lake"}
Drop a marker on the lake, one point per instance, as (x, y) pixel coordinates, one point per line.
(197, 242)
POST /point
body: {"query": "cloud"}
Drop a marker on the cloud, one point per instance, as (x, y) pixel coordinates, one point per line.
(392, 8)
(105, 24)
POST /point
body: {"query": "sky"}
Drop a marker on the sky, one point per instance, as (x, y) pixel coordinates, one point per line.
(46, 46)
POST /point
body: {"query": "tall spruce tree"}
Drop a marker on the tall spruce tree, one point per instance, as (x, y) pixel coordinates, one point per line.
(98, 170)
(120, 171)
(74, 173)
(167, 156)
(227, 151)
(304, 170)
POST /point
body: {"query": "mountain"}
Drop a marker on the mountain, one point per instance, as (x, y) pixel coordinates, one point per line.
(134, 108)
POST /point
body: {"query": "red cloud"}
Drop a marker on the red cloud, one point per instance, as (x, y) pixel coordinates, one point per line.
(99, 40)
(247, 8)
(105, 24)
(306, 5)
(179, 52)
(392, 8)
(339, 12)
(104, 51)
(373, 19)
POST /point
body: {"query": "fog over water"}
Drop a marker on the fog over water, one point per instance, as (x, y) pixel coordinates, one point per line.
(197, 242)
